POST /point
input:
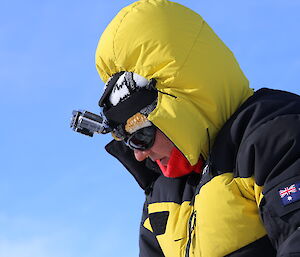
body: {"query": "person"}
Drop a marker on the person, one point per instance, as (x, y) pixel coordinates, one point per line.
(219, 163)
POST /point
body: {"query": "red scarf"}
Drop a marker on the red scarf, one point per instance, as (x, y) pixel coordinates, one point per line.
(178, 165)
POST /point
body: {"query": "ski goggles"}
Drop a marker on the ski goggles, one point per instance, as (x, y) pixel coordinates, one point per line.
(143, 139)
(90, 123)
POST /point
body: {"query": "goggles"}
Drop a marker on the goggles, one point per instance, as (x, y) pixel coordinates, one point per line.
(90, 123)
(142, 139)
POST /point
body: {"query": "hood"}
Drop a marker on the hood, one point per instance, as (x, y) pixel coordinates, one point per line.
(200, 82)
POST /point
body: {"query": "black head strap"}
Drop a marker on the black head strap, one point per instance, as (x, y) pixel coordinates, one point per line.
(109, 88)
(133, 104)
(137, 100)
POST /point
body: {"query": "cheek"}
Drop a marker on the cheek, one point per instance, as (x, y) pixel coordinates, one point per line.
(162, 145)
(168, 147)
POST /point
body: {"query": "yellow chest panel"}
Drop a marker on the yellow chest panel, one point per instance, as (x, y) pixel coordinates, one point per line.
(226, 218)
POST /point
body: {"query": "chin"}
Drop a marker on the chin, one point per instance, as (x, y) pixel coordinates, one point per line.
(164, 161)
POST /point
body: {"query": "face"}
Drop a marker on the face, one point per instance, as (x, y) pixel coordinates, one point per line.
(161, 149)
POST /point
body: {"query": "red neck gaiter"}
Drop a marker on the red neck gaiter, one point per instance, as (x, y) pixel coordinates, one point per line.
(178, 165)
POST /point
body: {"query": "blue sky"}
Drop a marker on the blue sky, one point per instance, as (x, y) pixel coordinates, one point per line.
(60, 194)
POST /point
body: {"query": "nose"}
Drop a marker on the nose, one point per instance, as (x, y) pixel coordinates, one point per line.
(141, 155)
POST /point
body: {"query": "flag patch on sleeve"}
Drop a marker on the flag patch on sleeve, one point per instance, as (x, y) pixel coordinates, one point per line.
(290, 194)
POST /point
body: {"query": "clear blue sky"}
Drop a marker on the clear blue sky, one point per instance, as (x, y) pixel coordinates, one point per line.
(61, 195)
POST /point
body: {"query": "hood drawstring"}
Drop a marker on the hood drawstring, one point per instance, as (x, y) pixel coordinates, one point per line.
(152, 84)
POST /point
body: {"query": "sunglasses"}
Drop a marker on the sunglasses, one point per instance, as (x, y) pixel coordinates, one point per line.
(143, 139)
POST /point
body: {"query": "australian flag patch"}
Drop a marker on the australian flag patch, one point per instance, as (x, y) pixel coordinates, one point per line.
(290, 194)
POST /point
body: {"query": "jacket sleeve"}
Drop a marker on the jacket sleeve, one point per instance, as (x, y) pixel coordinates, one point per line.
(143, 174)
(149, 246)
(272, 154)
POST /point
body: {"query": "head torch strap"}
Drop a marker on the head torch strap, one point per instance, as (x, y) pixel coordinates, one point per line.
(124, 110)
(109, 87)
(125, 95)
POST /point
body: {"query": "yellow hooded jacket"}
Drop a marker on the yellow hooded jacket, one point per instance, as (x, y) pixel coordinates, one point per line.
(171, 43)
(204, 84)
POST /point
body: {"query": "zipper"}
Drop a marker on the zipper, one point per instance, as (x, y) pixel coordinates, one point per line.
(192, 224)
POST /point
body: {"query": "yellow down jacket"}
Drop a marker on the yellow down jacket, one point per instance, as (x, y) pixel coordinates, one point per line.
(206, 112)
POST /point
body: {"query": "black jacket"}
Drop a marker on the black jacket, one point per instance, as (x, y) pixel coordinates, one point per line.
(246, 203)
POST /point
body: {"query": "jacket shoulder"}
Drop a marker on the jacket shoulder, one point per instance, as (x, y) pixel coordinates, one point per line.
(255, 121)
